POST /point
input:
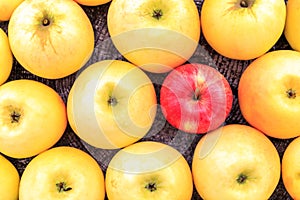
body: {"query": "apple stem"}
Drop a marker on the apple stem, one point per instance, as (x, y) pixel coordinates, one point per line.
(62, 187)
(197, 94)
(46, 22)
(241, 178)
(291, 93)
(244, 4)
(157, 14)
(112, 101)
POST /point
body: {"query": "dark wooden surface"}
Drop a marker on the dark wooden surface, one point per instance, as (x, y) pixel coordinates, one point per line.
(161, 130)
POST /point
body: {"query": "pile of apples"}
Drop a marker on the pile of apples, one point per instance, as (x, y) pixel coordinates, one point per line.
(113, 104)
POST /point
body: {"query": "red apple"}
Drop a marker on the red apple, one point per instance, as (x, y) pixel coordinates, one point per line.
(195, 98)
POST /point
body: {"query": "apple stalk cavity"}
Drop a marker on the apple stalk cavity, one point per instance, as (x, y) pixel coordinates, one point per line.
(46, 22)
(151, 187)
(242, 178)
(291, 94)
(246, 3)
(157, 14)
(62, 187)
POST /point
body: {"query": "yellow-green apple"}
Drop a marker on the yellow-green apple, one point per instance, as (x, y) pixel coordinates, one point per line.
(268, 93)
(9, 177)
(242, 29)
(92, 2)
(32, 118)
(64, 173)
(153, 34)
(111, 104)
(148, 170)
(195, 98)
(292, 30)
(290, 168)
(246, 164)
(6, 58)
(7, 7)
(51, 39)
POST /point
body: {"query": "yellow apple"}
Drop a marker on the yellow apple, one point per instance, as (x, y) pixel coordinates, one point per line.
(32, 118)
(268, 94)
(111, 104)
(235, 162)
(6, 58)
(51, 39)
(153, 34)
(292, 29)
(9, 177)
(64, 173)
(291, 168)
(7, 7)
(242, 29)
(148, 170)
(92, 2)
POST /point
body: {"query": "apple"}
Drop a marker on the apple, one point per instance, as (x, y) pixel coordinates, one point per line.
(290, 168)
(154, 35)
(268, 94)
(63, 173)
(9, 177)
(51, 39)
(111, 104)
(242, 29)
(92, 2)
(292, 30)
(235, 162)
(32, 118)
(195, 98)
(6, 58)
(148, 170)
(7, 7)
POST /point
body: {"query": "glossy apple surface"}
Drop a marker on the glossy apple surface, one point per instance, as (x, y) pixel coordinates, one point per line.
(195, 98)
(292, 30)
(63, 173)
(242, 29)
(154, 35)
(290, 168)
(268, 94)
(7, 7)
(32, 118)
(235, 162)
(112, 104)
(6, 58)
(10, 178)
(148, 170)
(51, 39)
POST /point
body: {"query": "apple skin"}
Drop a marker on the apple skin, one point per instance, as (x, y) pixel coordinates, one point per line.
(32, 118)
(51, 39)
(7, 7)
(148, 170)
(290, 168)
(235, 162)
(270, 84)
(10, 178)
(64, 173)
(242, 32)
(6, 58)
(152, 34)
(292, 30)
(111, 104)
(92, 2)
(196, 98)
